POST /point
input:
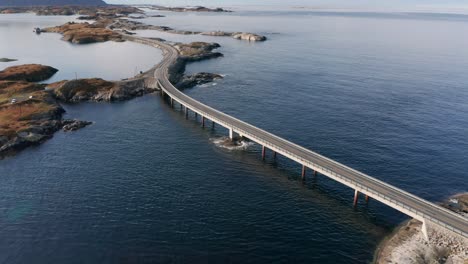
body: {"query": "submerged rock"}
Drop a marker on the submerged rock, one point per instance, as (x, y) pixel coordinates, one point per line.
(6, 60)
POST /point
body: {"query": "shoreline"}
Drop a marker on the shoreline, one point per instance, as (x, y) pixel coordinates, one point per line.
(406, 244)
(39, 126)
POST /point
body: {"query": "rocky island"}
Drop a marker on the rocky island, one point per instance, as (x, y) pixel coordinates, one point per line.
(188, 9)
(31, 112)
(28, 72)
(28, 113)
(84, 33)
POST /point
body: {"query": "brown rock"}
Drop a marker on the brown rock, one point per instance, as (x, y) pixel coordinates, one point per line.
(28, 72)
(83, 33)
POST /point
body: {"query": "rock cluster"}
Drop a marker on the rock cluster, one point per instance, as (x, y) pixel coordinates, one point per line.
(197, 51)
(189, 81)
(73, 124)
(96, 89)
(189, 9)
(249, 37)
(83, 33)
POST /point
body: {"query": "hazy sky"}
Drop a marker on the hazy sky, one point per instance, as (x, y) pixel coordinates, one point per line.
(436, 5)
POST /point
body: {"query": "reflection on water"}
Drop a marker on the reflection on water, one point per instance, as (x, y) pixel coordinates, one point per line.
(110, 60)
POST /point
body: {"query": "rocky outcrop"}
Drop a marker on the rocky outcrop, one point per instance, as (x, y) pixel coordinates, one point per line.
(197, 51)
(33, 117)
(189, 9)
(95, 89)
(407, 244)
(28, 72)
(124, 24)
(6, 60)
(249, 36)
(83, 33)
(189, 81)
(217, 33)
(73, 124)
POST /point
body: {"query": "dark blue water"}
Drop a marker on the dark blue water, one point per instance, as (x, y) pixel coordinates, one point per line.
(384, 95)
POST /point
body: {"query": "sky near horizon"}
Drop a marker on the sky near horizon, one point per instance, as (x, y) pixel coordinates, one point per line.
(409, 5)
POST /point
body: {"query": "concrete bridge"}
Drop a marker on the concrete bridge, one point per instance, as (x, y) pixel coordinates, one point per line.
(407, 203)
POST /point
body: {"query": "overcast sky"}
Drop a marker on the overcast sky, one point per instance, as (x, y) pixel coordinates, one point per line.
(409, 5)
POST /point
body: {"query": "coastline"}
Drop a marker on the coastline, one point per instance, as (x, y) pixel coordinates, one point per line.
(406, 243)
(39, 125)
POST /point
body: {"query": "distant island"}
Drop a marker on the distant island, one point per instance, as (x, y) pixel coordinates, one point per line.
(52, 2)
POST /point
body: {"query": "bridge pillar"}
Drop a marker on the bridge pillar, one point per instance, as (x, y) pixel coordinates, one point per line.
(274, 155)
(263, 152)
(231, 134)
(213, 124)
(303, 175)
(172, 103)
(356, 196)
(424, 230)
(180, 107)
(186, 112)
(196, 115)
(203, 121)
(367, 198)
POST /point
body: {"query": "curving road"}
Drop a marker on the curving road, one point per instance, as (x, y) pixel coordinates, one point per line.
(400, 200)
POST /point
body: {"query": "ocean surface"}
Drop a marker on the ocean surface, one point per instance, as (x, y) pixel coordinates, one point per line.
(383, 93)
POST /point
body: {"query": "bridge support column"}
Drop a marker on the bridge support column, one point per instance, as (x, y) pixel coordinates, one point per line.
(367, 198)
(263, 152)
(303, 175)
(196, 115)
(172, 103)
(213, 124)
(186, 112)
(203, 121)
(424, 230)
(356, 197)
(274, 155)
(231, 134)
(180, 107)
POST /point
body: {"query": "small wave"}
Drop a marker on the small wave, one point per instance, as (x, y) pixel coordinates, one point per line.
(225, 142)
